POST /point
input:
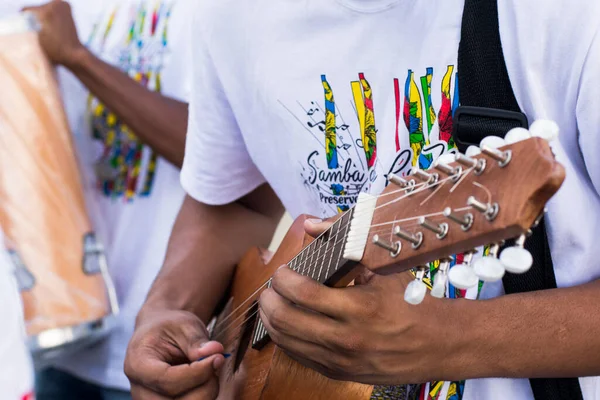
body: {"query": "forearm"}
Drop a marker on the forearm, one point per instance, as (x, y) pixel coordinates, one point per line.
(204, 248)
(159, 121)
(552, 333)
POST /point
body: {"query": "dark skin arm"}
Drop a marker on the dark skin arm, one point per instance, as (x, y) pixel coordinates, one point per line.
(159, 121)
(206, 243)
(368, 333)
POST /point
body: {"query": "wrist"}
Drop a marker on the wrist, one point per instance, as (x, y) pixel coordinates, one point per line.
(77, 59)
(463, 349)
(161, 299)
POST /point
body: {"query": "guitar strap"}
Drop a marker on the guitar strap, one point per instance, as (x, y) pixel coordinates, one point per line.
(489, 107)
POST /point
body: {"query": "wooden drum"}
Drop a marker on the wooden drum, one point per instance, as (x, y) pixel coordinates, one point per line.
(68, 297)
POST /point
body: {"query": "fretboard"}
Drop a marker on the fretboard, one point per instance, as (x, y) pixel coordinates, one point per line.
(321, 260)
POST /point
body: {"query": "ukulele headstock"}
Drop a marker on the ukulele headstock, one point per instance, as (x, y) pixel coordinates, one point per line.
(461, 203)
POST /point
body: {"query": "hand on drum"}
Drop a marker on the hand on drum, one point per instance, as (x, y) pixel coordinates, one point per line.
(58, 34)
(170, 357)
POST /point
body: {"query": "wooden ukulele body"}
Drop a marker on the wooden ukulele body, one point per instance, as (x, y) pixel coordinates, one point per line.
(268, 373)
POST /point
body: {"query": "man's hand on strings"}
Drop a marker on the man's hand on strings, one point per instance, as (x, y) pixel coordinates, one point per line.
(170, 357)
(364, 333)
(58, 34)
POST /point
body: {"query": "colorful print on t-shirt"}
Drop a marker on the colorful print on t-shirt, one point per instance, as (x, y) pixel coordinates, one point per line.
(127, 167)
(347, 161)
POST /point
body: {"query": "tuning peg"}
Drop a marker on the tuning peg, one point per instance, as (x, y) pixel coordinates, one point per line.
(465, 221)
(442, 164)
(462, 275)
(489, 268)
(478, 165)
(545, 129)
(517, 135)
(441, 280)
(517, 259)
(393, 248)
(426, 177)
(489, 210)
(503, 157)
(416, 240)
(441, 230)
(398, 181)
(416, 290)
(472, 151)
(493, 142)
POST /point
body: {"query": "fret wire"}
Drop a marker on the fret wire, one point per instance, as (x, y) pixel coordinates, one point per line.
(314, 258)
(332, 239)
(305, 258)
(319, 246)
(347, 227)
(302, 256)
(292, 264)
(326, 248)
(309, 257)
(337, 232)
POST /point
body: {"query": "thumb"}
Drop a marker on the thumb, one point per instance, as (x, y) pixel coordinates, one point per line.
(199, 351)
(197, 345)
(314, 226)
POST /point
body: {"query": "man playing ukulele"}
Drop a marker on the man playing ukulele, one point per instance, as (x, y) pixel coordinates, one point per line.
(321, 100)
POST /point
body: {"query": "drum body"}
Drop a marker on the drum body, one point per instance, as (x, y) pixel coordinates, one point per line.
(68, 297)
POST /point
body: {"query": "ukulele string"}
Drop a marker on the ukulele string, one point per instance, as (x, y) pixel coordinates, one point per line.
(421, 187)
(297, 268)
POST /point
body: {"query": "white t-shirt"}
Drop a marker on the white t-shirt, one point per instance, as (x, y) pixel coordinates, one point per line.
(137, 207)
(322, 99)
(16, 370)
(133, 197)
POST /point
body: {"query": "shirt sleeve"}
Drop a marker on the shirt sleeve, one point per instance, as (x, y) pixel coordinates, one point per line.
(217, 168)
(588, 112)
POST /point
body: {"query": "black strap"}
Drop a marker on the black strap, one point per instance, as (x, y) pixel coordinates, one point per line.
(484, 84)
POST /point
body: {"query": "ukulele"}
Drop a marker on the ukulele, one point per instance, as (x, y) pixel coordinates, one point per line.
(488, 195)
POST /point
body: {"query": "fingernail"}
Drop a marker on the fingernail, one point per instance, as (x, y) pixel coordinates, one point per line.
(218, 363)
(315, 221)
(283, 266)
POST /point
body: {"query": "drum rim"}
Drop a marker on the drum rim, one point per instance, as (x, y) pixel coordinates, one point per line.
(22, 22)
(45, 344)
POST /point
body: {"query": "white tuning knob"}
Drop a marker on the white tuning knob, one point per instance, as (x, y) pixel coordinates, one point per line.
(441, 280)
(516, 260)
(492, 142)
(439, 286)
(545, 129)
(489, 269)
(447, 158)
(415, 292)
(517, 135)
(463, 277)
(472, 151)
